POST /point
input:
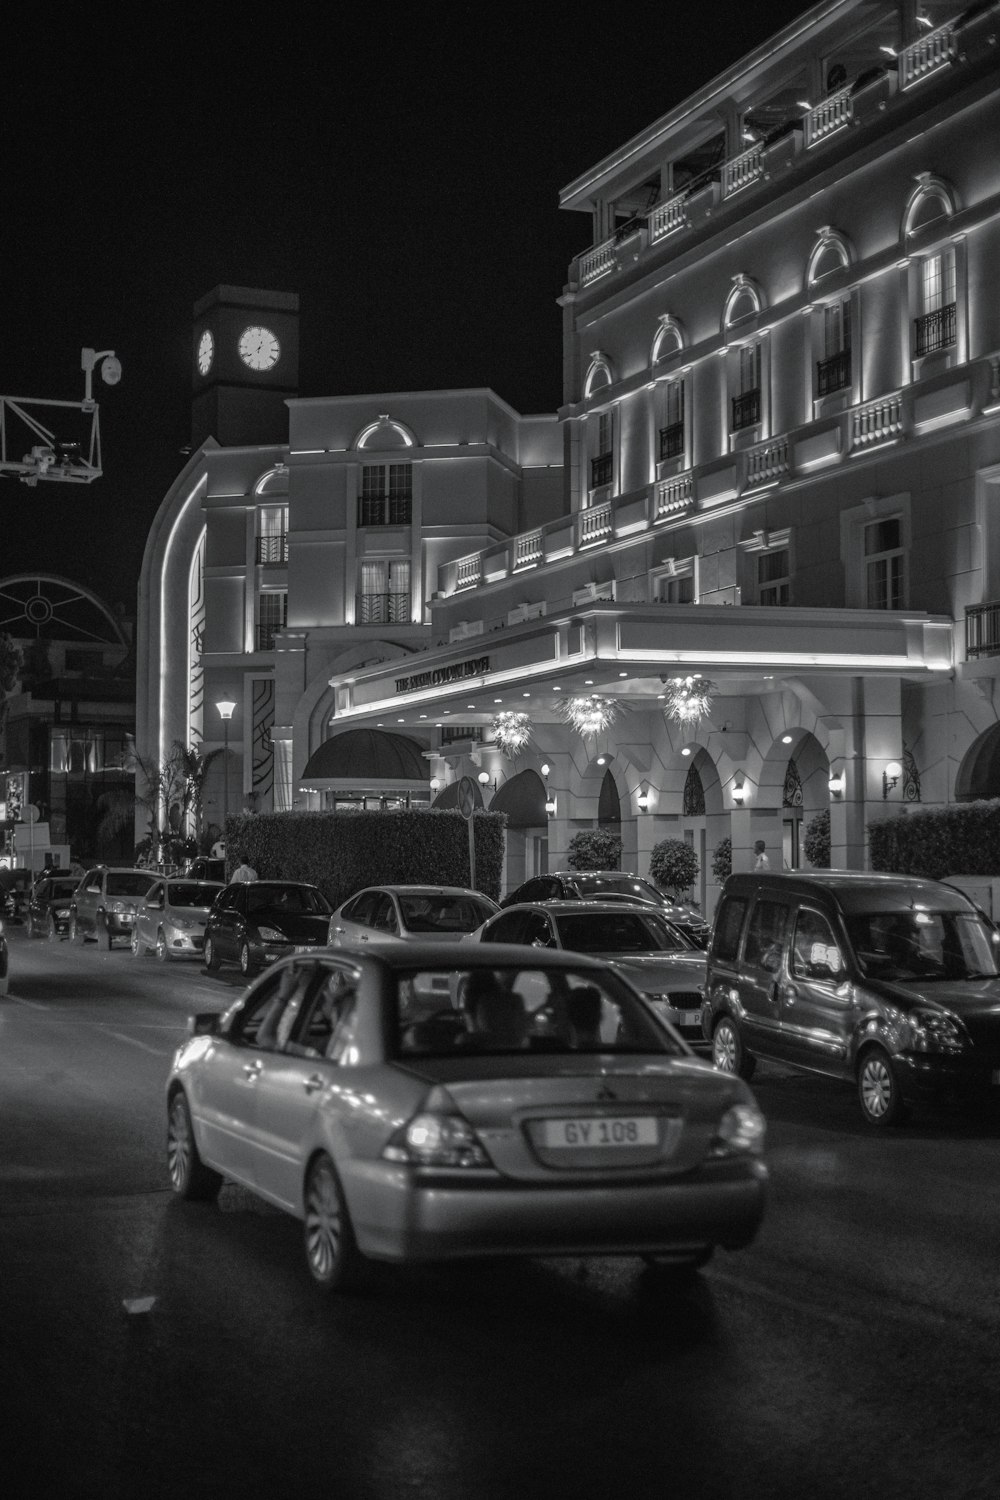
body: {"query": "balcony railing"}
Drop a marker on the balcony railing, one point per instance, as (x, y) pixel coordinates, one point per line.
(384, 510)
(833, 374)
(595, 523)
(383, 609)
(767, 462)
(265, 636)
(877, 421)
(469, 571)
(982, 630)
(272, 551)
(831, 114)
(740, 171)
(527, 548)
(672, 441)
(673, 496)
(667, 218)
(935, 330)
(597, 262)
(926, 55)
(746, 410)
(600, 470)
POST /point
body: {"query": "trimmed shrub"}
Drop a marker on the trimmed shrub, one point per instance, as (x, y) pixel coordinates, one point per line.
(342, 852)
(816, 840)
(939, 841)
(593, 849)
(722, 860)
(673, 865)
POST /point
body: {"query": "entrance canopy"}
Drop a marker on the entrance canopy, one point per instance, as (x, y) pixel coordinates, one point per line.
(366, 760)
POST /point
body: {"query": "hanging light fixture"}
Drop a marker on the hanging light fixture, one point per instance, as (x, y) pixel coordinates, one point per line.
(590, 714)
(510, 732)
(688, 699)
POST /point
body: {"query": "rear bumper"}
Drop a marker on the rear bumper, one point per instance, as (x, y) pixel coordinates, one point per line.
(398, 1215)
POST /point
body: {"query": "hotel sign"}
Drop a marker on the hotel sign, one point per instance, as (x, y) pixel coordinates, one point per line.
(477, 666)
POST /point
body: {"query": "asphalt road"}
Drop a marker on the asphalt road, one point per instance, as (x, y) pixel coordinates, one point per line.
(153, 1348)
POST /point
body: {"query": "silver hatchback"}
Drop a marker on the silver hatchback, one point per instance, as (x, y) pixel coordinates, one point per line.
(171, 920)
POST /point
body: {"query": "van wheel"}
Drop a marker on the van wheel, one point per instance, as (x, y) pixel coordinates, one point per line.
(728, 1052)
(211, 956)
(879, 1093)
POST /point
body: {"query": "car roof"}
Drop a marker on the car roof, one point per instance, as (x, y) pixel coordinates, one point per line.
(858, 890)
(566, 905)
(424, 890)
(468, 956)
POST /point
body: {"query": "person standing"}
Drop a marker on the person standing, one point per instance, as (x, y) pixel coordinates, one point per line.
(244, 871)
(761, 862)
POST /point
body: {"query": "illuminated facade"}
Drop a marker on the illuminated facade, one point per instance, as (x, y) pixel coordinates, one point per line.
(781, 459)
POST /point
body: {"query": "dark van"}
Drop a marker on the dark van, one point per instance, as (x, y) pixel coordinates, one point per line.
(888, 981)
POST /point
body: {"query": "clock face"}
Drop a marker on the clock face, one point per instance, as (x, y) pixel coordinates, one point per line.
(259, 349)
(206, 349)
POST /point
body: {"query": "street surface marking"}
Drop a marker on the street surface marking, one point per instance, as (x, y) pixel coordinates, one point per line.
(134, 1042)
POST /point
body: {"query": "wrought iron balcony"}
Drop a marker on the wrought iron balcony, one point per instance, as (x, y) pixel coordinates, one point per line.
(272, 551)
(672, 441)
(385, 510)
(982, 630)
(600, 470)
(383, 609)
(833, 374)
(265, 636)
(746, 410)
(935, 330)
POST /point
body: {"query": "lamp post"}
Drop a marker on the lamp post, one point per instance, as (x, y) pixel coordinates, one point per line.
(226, 710)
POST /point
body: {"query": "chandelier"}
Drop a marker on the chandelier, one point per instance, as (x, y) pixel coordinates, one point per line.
(510, 732)
(590, 714)
(688, 699)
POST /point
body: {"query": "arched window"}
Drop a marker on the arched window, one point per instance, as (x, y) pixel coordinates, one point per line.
(832, 329)
(931, 202)
(599, 374)
(832, 252)
(745, 300)
(935, 278)
(669, 340)
(384, 433)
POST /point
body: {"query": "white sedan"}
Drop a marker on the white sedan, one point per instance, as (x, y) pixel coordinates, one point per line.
(409, 913)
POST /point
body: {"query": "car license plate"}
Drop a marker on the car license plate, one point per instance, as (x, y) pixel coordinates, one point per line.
(600, 1131)
(690, 1017)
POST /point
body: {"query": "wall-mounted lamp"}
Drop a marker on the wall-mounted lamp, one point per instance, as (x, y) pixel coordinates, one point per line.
(546, 769)
(890, 776)
(484, 778)
(550, 805)
(642, 802)
(435, 783)
(838, 780)
(740, 792)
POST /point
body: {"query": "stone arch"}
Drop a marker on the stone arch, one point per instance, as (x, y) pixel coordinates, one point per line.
(832, 252)
(979, 772)
(385, 432)
(931, 201)
(272, 483)
(745, 300)
(52, 607)
(669, 340)
(599, 374)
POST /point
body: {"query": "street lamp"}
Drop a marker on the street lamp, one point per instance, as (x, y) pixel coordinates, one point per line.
(226, 710)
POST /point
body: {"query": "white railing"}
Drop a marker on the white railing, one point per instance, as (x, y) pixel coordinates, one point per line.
(527, 549)
(597, 262)
(673, 495)
(832, 113)
(926, 55)
(667, 218)
(767, 461)
(876, 421)
(595, 523)
(740, 171)
(469, 571)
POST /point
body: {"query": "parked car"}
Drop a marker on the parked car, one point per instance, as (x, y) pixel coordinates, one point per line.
(206, 867)
(655, 956)
(15, 890)
(49, 902)
(4, 961)
(104, 904)
(889, 981)
(345, 1088)
(409, 913)
(611, 885)
(254, 922)
(171, 919)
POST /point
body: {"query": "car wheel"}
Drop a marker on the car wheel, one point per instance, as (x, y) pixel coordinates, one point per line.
(104, 931)
(50, 930)
(138, 949)
(161, 947)
(246, 960)
(211, 957)
(30, 925)
(76, 932)
(728, 1052)
(879, 1093)
(331, 1251)
(189, 1177)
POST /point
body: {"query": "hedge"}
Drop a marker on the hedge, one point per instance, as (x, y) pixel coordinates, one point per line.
(342, 852)
(939, 841)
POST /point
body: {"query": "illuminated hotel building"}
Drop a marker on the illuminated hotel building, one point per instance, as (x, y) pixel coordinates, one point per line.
(780, 465)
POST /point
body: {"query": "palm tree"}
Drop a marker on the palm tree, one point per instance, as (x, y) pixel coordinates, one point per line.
(170, 793)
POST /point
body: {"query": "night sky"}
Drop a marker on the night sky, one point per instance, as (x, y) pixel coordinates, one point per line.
(400, 172)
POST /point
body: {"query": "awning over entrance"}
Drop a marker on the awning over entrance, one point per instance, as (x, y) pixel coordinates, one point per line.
(979, 775)
(522, 798)
(364, 756)
(449, 797)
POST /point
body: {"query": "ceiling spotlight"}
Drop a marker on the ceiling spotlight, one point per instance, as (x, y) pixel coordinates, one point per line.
(786, 739)
(686, 750)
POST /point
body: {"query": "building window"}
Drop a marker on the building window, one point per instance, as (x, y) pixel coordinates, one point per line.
(774, 577)
(746, 403)
(385, 593)
(833, 371)
(386, 495)
(678, 589)
(272, 616)
(272, 535)
(672, 431)
(885, 576)
(602, 460)
(936, 326)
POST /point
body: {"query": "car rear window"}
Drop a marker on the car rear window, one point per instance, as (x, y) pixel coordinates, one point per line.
(192, 893)
(291, 898)
(728, 926)
(127, 883)
(442, 1012)
(430, 913)
(608, 932)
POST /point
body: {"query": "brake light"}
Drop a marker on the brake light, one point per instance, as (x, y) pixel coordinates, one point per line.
(436, 1140)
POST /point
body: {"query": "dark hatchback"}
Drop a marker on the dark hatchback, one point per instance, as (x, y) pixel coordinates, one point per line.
(254, 922)
(612, 885)
(888, 981)
(49, 906)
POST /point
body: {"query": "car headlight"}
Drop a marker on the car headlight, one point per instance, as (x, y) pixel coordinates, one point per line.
(436, 1140)
(936, 1031)
(741, 1132)
(62, 911)
(271, 935)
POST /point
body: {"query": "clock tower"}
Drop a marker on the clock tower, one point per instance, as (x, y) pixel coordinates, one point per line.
(245, 365)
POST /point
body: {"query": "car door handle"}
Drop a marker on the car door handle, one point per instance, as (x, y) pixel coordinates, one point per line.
(786, 992)
(252, 1070)
(312, 1084)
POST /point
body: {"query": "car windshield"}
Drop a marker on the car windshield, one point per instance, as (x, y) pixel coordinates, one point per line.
(443, 1012)
(287, 898)
(618, 885)
(923, 945)
(614, 932)
(442, 913)
(192, 893)
(129, 883)
(59, 890)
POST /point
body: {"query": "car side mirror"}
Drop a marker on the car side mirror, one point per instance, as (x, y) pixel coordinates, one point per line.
(206, 1023)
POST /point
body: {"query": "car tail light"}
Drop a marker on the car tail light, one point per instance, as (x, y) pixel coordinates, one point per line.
(741, 1132)
(436, 1140)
